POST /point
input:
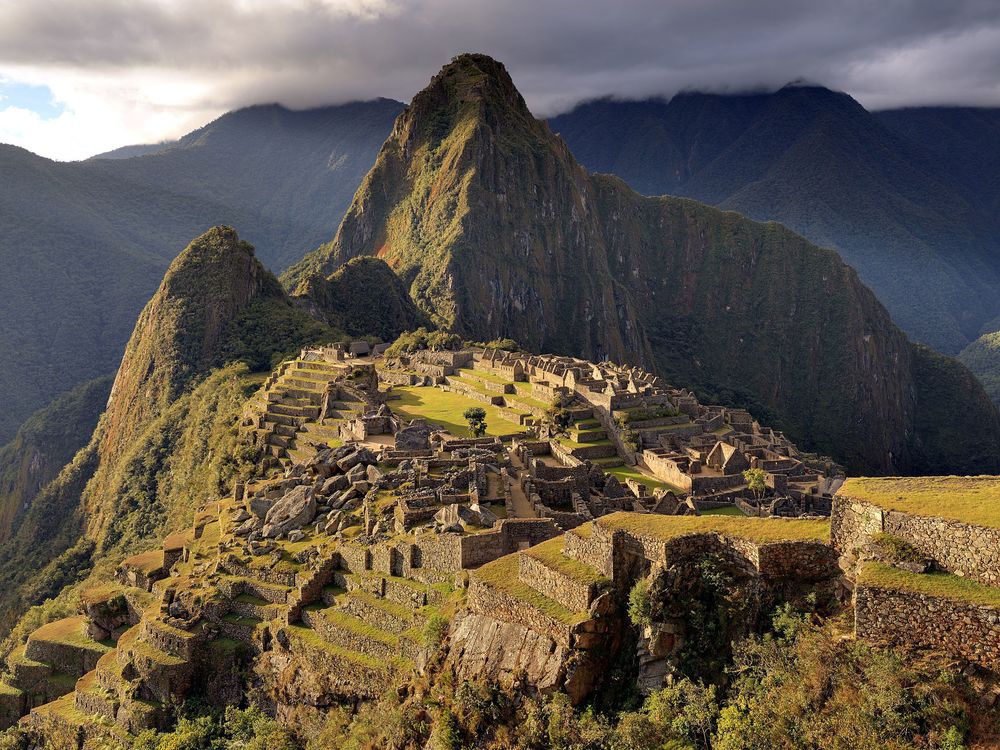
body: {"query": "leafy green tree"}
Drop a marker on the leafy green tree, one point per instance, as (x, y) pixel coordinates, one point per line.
(756, 480)
(476, 417)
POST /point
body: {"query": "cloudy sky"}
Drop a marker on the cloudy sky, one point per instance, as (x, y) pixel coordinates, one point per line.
(78, 77)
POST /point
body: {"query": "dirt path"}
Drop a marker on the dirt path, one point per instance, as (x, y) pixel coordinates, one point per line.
(519, 501)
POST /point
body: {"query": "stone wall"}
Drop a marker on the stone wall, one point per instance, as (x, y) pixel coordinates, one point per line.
(960, 548)
(492, 602)
(964, 630)
(509, 535)
(573, 594)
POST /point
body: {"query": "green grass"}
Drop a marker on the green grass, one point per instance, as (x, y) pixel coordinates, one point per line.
(70, 631)
(502, 575)
(484, 375)
(315, 640)
(974, 500)
(631, 472)
(445, 408)
(551, 554)
(942, 585)
(355, 625)
(241, 620)
(754, 529)
(572, 444)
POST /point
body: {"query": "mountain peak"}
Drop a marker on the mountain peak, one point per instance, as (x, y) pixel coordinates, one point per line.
(472, 87)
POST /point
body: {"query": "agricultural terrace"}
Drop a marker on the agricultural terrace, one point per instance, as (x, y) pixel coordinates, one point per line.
(973, 500)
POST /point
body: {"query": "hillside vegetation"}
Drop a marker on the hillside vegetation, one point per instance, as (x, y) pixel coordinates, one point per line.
(45, 443)
(85, 243)
(906, 197)
(499, 232)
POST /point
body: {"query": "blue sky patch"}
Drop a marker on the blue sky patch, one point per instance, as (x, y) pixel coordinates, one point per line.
(38, 99)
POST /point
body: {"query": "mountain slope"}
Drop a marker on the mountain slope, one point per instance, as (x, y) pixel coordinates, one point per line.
(169, 436)
(84, 244)
(45, 443)
(499, 232)
(816, 161)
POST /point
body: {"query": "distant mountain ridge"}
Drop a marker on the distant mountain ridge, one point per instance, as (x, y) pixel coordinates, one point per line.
(84, 244)
(883, 189)
(499, 231)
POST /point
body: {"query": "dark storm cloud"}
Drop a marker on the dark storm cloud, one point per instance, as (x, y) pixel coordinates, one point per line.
(307, 52)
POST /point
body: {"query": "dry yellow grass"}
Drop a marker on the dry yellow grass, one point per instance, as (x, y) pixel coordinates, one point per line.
(974, 500)
(755, 529)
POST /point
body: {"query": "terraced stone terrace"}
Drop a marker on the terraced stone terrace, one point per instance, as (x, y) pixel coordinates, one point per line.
(973, 500)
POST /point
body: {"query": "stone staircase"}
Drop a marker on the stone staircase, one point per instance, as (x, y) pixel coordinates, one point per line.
(292, 400)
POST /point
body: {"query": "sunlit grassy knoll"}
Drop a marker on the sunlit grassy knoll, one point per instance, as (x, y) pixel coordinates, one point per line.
(445, 408)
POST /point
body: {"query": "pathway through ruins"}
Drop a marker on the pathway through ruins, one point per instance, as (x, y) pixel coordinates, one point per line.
(522, 506)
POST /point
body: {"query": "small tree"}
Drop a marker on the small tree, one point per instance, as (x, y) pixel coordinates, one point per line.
(756, 481)
(476, 417)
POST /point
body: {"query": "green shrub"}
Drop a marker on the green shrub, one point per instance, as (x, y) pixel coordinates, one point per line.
(435, 629)
(640, 604)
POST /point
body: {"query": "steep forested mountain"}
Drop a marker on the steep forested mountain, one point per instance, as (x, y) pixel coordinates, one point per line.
(84, 244)
(500, 232)
(907, 197)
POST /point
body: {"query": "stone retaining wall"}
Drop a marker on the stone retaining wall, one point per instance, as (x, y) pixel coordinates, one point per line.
(964, 630)
(492, 602)
(573, 594)
(960, 548)
(507, 537)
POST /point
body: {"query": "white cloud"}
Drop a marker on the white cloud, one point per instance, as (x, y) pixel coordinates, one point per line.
(131, 71)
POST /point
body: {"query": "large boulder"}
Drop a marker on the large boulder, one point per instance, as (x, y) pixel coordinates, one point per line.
(361, 457)
(416, 437)
(455, 516)
(293, 511)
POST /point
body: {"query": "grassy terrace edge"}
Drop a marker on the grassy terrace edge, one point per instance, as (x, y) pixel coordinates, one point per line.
(754, 529)
(502, 574)
(941, 585)
(973, 500)
(551, 554)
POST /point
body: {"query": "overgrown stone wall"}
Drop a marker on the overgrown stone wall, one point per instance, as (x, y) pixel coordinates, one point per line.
(960, 548)
(965, 630)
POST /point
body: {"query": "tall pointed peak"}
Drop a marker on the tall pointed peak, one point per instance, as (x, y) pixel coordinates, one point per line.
(470, 87)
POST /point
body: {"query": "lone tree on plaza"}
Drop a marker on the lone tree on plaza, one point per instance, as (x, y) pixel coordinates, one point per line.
(476, 417)
(756, 481)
